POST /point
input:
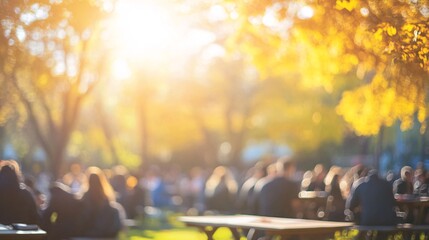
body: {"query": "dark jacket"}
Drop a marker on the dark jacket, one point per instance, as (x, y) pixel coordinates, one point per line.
(276, 196)
(61, 216)
(18, 206)
(68, 217)
(375, 198)
(101, 221)
(402, 187)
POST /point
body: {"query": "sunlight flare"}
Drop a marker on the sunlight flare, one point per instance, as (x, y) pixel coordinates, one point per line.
(143, 28)
(121, 69)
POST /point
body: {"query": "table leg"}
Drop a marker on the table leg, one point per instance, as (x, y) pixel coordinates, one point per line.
(251, 234)
(271, 236)
(421, 214)
(209, 231)
(235, 233)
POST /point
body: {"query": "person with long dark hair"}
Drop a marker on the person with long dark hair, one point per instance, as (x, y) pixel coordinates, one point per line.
(220, 191)
(17, 204)
(102, 216)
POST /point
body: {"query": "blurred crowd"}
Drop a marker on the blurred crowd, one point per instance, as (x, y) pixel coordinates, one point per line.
(94, 202)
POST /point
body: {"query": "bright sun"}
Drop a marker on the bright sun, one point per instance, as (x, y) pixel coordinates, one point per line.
(150, 33)
(142, 28)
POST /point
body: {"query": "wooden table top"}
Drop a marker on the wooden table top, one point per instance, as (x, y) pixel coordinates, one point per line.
(412, 200)
(313, 194)
(263, 223)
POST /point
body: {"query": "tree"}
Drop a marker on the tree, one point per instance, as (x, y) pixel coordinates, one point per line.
(51, 63)
(383, 42)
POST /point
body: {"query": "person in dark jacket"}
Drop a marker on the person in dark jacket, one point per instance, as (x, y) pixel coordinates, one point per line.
(220, 191)
(335, 202)
(404, 185)
(60, 218)
(101, 215)
(374, 197)
(421, 185)
(246, 193)
(17, 204)
(279, 196)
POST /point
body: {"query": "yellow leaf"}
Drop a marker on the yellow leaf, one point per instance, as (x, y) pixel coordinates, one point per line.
(391, 31)
(378, 35)
(54, 217)
(349, 5)
(408, 27)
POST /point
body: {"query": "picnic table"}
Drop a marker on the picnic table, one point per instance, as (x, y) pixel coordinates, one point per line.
(270, 226)
(313, 195)
(413, 205)
(314, 204)
(7, 232)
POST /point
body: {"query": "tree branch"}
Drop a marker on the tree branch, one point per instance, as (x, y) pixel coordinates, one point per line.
(33, 119)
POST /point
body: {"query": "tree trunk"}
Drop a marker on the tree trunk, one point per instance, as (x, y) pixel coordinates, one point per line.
(2, 141)
(107, 132)
(423, 149)
(379, 148)
(237, 148)
(210, 148)
(144, 130)
(236, 138)
(56, 163)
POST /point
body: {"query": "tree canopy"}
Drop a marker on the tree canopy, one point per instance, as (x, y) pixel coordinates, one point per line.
(153, 78)
(385, 43)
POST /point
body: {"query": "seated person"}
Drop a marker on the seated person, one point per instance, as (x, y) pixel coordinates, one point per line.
(421, 183)
(404, 185)
(374, 197)
(17, 204)
(95, 215)
(60, 218)
(279, 195)
(101, 215)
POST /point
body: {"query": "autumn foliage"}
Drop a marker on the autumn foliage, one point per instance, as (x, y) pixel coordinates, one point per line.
(384, 43)
(226, 74)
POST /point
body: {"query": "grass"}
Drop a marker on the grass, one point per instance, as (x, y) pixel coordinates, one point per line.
(165, 226)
